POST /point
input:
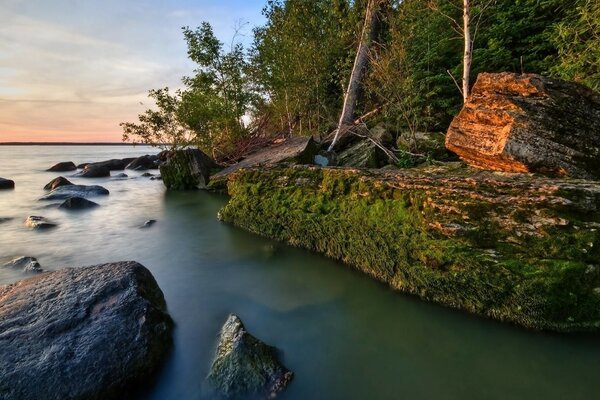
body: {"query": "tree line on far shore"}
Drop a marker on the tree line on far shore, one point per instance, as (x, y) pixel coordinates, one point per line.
(292, 79)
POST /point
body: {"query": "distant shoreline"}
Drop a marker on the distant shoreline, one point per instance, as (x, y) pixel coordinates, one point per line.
(69, 144)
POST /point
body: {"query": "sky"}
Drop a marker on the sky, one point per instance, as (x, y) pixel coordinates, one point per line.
(72, 70)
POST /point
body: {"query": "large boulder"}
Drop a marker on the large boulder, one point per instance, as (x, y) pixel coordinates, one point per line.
(528, 123)
(57, 182)
(64, 166)
(187, 169)
(245, 367)
(82, 333)
(114, 164)
(65, 192)
(6, 184)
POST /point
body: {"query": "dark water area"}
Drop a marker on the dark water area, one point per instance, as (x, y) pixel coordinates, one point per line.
(344, 335)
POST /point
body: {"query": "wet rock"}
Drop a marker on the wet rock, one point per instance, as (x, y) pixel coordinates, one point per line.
(529, 123)
(77, 203)
(245, 367)
(143, 163)
(5, 219)
(82, 165)
(156, 178)
(187, 169)
(38, 222)
(147, 175)
(27, 264)
(57, 182)
(6, 184)
(112, 165)
(95, 171)
(148, 223)
(63, 167)
(82, 333)
(121, 176)
(65, 192)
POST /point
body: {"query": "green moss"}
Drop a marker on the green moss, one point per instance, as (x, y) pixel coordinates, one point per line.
(545, 278)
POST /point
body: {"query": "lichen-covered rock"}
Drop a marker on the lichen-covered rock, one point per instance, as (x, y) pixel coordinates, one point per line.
(187, 169)
(6, 183)
(528, 123)
(245, 367)
(68, 191)
(513, 247)
(81, 333)
(57, 182)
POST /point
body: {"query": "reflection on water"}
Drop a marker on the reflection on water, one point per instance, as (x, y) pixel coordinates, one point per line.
(344, 336)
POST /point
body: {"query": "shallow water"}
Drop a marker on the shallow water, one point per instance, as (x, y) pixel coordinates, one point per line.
(344, 335)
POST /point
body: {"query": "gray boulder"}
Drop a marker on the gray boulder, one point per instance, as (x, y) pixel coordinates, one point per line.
(6, 184)
(65, 192)
(27, 264)
(37, 222)
(77, 203)
(63, 167)
(57, 182)
(244, 366)
(82, 333)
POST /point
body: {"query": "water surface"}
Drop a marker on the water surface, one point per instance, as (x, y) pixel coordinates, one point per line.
(344, 335)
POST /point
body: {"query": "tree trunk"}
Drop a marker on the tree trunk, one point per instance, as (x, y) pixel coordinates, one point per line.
(360, 63)
(467, 58)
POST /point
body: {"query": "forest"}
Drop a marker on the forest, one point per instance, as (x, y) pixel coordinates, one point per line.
(292, 79)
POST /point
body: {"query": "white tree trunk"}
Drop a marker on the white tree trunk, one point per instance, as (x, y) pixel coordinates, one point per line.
(360, 63)
(468, 56)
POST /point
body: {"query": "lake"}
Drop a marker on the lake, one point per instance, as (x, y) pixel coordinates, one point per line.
(344, 335)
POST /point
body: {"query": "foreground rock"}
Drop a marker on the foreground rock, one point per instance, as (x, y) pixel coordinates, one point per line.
(515, 247)
(82, 333)
(245, 367)
(63, 167)
(65, 192)
(6, 184)
(77, 203)
(187, 169)
(27, 264)
(57, 182)
(37, 222)
(528, 123)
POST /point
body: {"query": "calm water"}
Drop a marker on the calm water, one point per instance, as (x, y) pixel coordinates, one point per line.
(344, 336)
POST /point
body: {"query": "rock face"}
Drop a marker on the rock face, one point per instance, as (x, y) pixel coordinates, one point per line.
(63, 167)
(187, 169)
(513, 247)
(95, 171)
(37, 222)
(27, 264)
(57, 182)
(6, 184)
(245, 367)
(77, 203)
(81, 333)
(528, 123)
(65, 192)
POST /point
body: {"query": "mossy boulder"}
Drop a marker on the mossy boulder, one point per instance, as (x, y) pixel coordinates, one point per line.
(512, 247)
(187, 169)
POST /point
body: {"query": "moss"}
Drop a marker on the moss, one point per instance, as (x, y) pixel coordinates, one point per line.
(469, 256)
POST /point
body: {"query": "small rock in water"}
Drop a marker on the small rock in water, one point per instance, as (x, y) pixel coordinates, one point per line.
(78, 203)
(246, 367)
(64, 192)
(148, 223)
(156, 178)
(63, 167)
(121, 176)
(147, 174)
(57, 182)
(7, 183)
(37, 222)
(27, 264)
(5, 219)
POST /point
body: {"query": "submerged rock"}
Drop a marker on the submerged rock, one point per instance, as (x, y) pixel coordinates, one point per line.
(121, 176)
(244, 366)
(77, 203)
(82, 333)
(27, 264)
(528, 123)
(148, 223)
(5, 219)
(37, 222)
(65, 192)
(187, 169)
(57, 182)
(513, 247)
(6, 184)
(64, 166)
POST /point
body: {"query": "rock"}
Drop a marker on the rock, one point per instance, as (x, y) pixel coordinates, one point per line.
(63, 167)
(6, 184)
(77, 203)
(187, 169)
(245, 367)
(65, 192)
(82, 333)
(147, 175)
(112, 165)
(57, 182)
(95, 171)
(156, 178)
(121, 176)
(143, 163)
(362, 154)
(27, 264)
(5, 219)
(82, 165)
(529, 123)
(430, 144)
(429, 230)
(37, 222)
(382, 135)
(148, 223)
